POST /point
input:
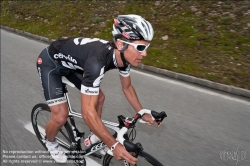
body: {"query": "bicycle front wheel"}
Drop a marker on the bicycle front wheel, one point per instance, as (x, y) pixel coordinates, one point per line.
(144, 159)
(40, 116)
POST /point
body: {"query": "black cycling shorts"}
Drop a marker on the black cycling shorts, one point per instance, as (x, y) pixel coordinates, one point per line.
(51, 73)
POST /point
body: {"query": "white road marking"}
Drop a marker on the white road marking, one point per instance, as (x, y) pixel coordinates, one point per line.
(90, 162)
(192, 87)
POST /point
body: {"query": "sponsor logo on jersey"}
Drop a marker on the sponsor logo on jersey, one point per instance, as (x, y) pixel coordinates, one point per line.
(91, 91)
(62, 56)
(39, 61)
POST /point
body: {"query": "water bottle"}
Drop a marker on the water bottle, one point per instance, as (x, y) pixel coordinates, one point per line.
(91, 140)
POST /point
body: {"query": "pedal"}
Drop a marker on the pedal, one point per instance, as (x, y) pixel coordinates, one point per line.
(96, 155)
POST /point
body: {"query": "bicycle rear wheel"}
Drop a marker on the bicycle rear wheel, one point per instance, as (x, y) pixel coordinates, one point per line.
(144, 159)
(40, 115)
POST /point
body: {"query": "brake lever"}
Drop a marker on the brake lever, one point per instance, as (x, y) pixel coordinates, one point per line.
(159, 117)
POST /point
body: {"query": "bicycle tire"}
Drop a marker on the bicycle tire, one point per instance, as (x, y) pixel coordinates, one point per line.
(144, 159)
(39, 117)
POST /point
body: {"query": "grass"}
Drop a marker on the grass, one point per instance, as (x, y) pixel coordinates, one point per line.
(207, 39)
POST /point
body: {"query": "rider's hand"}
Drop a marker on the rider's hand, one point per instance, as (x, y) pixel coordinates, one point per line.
(149, 120)
(120, 153)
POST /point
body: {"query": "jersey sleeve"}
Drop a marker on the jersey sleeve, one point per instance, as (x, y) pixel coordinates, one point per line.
(125, 72)
(92, 77)
(55, 46)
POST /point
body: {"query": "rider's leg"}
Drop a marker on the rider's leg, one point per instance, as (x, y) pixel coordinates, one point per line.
(59, 115)
(50, 74)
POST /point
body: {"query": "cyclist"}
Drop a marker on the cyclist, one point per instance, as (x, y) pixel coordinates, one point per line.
(83, 61)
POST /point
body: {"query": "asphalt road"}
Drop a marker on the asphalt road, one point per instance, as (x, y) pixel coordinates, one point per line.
(203, 127)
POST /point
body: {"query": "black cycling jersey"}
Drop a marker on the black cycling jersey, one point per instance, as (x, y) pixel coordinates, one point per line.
(82, 60)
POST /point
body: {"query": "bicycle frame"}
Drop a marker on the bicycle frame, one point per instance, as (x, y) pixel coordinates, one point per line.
(120, 129)
(78, 135)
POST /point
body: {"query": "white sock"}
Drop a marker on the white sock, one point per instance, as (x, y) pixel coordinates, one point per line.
(51, 145)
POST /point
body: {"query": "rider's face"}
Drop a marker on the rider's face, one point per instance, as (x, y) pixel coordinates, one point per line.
(133, 56)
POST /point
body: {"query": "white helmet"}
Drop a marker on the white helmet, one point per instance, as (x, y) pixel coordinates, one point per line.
(133, 27)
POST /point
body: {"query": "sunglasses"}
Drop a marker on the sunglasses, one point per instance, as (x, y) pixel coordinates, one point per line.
(138, 47)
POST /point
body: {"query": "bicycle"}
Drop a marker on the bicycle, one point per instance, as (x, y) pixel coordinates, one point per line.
(69, 137)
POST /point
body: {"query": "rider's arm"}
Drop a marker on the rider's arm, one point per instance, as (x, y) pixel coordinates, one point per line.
(130, 93)
(132, 98)
(89, 113)
(93, 74)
